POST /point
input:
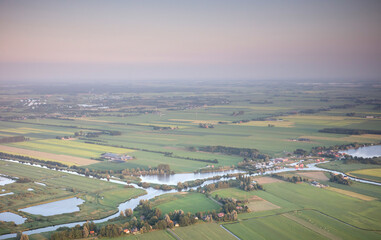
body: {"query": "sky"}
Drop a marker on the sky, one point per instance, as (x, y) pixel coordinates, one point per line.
(91, 40)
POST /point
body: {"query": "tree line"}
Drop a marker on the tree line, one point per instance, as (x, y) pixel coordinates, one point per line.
(349, 131)
(243, 152)
(13, 139)
(293, 179)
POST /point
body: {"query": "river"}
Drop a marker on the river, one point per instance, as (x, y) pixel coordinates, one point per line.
(365, 152)
(151, 192)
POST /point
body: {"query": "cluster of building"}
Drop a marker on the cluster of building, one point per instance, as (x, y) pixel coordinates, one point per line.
(317, 184)
(116, 157)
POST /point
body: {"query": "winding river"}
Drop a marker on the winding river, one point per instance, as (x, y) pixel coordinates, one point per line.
(171, 180)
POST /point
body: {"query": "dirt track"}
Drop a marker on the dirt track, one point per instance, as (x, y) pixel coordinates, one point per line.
(48, 156)
(264, 180)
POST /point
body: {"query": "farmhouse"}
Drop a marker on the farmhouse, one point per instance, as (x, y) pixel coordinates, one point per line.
(116, 157)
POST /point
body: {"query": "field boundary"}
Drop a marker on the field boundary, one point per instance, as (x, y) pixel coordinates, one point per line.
(311, 226)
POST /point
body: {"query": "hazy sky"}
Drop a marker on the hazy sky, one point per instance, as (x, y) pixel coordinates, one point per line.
(159, 39)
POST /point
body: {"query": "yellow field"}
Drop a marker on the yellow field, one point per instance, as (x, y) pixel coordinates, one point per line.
(351, 194)
(257, 204)
(25, 130)
(333, 121)
(376, 172)
(65, 159)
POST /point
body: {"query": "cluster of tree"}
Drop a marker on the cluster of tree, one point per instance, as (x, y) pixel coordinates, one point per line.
(349, 131)
(336, 147)
(164, 128)
(88, 134)
(206, 125)
(198, 182)
(312, 111)
(21, 236)
(246, 183)
(339, 178)
(374, 160)
(343, 106)
(219, 185)
(242, 121)
(234, 114)
(261, 102)
(13, 139)
(243, 152)
(164, 187)
(300, 152)
(76, 232)
(231, 205)
(23, 180)
(242, 182)
(293, 179)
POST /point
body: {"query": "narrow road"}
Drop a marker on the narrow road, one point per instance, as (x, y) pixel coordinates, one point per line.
(229, 232)
(173, 234)
(214, 200)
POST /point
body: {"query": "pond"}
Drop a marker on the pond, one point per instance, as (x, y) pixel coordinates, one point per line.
(5, 194)
(54, 208)
(11, 217)
(5, 181)
(365, 152)
(183, 177)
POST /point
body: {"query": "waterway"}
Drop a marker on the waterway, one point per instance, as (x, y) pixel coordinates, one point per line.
(11, 217)
(69, 205)
(184, 177)
(365, 152)
(151, 192)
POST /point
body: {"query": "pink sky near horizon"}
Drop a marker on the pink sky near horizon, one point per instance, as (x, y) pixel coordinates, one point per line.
(248, 39)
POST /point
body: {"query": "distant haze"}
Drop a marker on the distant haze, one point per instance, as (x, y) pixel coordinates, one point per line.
(133, 40)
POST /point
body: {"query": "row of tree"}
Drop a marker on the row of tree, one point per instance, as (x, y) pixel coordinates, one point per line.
(13, 139)
(293, 179)
(349, 131)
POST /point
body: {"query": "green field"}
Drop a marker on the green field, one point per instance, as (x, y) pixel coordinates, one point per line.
(273, 227)
(160, 124)
(69, 147)
(101, 198)
(234, 193)
(137, 119)
(364, 214)
(345, 168)
(163, 234)
(210, 231)
(188, 202)
(369, 174)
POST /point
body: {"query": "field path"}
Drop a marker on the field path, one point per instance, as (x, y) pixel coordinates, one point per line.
(48, 156)
(311, 227)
